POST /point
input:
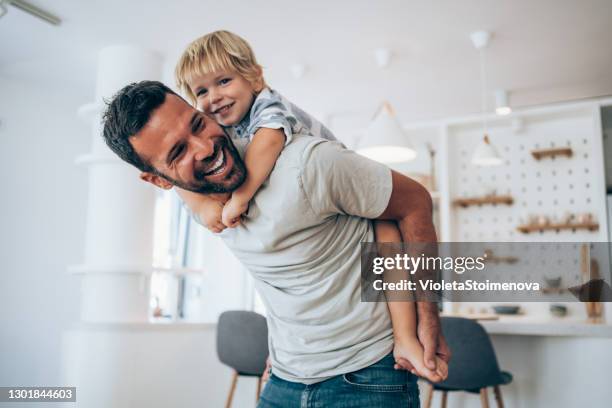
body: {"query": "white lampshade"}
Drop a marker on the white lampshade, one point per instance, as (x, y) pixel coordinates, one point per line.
(486, 154)
(385, 141)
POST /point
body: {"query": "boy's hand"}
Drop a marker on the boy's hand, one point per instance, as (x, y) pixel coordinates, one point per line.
(210, 216)
(232, 211)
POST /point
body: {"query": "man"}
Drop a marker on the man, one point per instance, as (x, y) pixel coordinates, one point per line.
(300, 240)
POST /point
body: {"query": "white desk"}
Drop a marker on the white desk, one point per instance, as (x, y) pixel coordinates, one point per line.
(529, 326)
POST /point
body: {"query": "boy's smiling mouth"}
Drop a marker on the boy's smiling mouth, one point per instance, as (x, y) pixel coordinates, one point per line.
(223, 109)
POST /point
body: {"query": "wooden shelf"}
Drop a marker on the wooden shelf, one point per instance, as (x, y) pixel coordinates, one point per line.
(552, 152)
(492, 200)
(526, 229)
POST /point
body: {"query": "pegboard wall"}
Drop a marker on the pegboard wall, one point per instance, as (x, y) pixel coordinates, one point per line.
(550, 187)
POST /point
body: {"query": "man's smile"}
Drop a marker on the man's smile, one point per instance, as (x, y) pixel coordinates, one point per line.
(218, 165)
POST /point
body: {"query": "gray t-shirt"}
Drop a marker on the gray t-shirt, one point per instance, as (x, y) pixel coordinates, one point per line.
(301, 242)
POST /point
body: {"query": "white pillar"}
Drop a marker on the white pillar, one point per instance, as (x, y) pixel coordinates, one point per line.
(119, 233)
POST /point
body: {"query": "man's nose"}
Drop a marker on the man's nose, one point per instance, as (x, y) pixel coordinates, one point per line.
(203, 149)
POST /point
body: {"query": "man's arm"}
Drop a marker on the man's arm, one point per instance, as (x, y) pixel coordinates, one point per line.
(411, 206)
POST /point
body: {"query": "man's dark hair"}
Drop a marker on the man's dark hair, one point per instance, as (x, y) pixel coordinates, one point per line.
(127, 113)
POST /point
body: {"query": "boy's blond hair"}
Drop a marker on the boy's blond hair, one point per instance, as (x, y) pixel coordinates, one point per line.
(216, 51)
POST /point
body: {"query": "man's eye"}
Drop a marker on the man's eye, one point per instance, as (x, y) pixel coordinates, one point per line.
(201, 92)
(197, 124)
(225, 81)
(178, 154)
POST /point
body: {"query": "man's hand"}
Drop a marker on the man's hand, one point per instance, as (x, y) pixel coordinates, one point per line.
(433, 342)
(266, 374)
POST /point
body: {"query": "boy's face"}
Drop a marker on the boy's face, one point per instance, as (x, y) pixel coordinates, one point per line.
(225, 95)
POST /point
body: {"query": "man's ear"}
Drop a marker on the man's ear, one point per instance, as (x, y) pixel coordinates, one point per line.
(156, 180)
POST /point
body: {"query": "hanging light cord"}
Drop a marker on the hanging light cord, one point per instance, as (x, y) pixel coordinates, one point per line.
(483, 80)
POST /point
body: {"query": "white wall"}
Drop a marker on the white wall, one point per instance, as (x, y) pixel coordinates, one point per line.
(42, 216)
(156, 366)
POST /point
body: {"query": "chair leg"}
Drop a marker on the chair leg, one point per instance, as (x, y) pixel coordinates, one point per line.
(258, 389)
(430, 390)
(498, 397)
(230, 396)
(484, 398)
(444, 398)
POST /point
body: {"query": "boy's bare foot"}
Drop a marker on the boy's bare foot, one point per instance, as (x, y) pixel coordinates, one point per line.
(412, 351)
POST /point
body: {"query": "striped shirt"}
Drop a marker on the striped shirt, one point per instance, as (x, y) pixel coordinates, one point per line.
(271, 110)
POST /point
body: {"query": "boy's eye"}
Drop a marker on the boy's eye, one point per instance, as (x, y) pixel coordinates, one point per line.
(225, 81)
(201, 92)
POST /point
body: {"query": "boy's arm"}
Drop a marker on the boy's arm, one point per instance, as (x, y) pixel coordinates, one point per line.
(265, 147)
(206, 209)
(261, 155)
(403, 317)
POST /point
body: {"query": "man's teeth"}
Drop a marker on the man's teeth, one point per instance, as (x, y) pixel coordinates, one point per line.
(217, 166)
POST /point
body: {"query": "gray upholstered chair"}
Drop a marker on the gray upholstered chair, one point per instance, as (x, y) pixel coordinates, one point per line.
(473, 366)
(242, 344)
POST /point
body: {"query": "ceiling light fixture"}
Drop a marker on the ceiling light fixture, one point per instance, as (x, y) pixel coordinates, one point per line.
(30, 9)
(383, 57)
(502, 107)
(385, 141)
(298, 70)
(3, 8)
(485, 154)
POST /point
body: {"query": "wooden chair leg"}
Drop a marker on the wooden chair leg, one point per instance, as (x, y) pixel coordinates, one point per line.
(498, 397)
(429, 396)
(444, 398)
(484, 398)
(258, 389)
(230, 396)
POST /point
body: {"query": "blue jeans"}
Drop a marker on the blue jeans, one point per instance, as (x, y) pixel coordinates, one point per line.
(376, 386)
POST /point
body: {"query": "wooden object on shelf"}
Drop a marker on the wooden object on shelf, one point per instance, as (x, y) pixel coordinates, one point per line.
(549, 291)
(526, 229)
(589, 270)
(493, 200)
(552, 152)
(490, 257)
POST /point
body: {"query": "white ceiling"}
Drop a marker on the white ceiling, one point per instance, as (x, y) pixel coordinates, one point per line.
(542, 51)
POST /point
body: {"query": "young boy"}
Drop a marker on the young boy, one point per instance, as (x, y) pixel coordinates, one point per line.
(220, 75)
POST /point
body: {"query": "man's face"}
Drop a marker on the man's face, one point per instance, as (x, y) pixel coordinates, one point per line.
(188, 149)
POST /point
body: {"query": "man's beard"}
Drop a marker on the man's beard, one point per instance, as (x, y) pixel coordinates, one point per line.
(232, 181)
